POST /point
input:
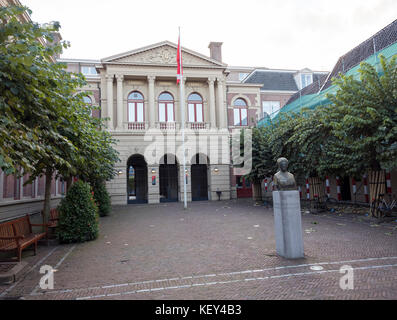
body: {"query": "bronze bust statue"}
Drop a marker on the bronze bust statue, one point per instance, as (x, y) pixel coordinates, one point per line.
(284, 180)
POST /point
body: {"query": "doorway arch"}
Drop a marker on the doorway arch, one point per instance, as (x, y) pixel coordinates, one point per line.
(169, 173)
(199, 172)
(137, 180)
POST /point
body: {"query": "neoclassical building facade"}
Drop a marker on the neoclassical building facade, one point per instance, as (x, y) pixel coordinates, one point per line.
(138, 93)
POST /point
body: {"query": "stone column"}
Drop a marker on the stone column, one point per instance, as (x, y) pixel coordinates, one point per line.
(221, 105)
(152, 108)
(109, 81)
(212, 105)
(153, 190)
(120, 109)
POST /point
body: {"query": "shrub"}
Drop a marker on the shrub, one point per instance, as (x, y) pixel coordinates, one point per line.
(102, 199)
(78, 215)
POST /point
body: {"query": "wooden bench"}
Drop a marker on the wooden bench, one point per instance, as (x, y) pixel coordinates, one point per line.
(17, 235)
(54, 218)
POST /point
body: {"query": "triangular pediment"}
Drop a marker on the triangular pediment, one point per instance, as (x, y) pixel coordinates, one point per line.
(163, 53)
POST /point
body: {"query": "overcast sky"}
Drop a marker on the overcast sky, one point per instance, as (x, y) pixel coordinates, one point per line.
(262, 33)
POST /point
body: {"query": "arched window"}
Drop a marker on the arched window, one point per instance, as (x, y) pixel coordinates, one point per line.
(166, 108)
(136, 110)
(195, 108)
(88, 103)
(240, 112)
(87, 100)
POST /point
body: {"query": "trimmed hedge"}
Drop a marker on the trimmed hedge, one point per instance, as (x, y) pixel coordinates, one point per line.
(102, 199)
(78, 215)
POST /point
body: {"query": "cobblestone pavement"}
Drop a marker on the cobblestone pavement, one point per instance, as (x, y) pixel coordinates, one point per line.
(215, 250)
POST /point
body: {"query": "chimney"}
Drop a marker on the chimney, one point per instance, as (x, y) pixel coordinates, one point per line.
(216, 50)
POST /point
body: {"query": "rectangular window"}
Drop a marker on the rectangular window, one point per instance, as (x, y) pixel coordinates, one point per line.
(139, 112)
(270, 108)
(242, 76)
(131, 112)
(162, 112)
(199, 113)
(307, 79)
(237, 117)
(170, 113)
(244, 117)
(89, 71)
(240, 117)
(191, 113)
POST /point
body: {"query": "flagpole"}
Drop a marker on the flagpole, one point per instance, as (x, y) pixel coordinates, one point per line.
(182, 102)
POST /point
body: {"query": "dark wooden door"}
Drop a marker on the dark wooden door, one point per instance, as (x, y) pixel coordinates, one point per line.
(168, 183)
(199, 182)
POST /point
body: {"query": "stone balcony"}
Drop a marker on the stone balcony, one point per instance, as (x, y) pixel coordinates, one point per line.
(136, 126)
(165, 126)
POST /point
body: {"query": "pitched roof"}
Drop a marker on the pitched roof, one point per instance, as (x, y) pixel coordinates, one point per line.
(315, 87)
(280, 80)
(170, 44)
(274, 80)
(379, 41)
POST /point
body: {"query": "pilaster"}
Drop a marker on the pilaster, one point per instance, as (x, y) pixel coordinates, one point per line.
(109, 86)
(120, 79)
(152, 109)
(212, 106)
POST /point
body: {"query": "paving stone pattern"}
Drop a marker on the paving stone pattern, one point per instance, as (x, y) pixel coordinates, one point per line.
(214, 250)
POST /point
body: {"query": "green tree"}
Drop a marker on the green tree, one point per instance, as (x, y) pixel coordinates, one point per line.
(263, 164)
(366, 114)
(46, 127)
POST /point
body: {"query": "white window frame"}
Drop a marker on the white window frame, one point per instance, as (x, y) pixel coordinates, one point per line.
(89, 71)
(306, 80)
(272, 106)
(242, 76)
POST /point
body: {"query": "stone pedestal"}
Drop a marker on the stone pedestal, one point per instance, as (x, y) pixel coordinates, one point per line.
(288, 224)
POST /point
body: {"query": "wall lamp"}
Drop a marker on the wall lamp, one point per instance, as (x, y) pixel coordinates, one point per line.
(216, 170)
(154, 171)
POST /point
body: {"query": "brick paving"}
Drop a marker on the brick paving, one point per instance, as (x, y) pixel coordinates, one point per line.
(215, 250)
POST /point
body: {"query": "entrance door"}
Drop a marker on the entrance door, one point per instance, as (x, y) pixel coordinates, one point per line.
(244, 187)
(345, 189)
(137, 179)
(168, 181)
(199, 182)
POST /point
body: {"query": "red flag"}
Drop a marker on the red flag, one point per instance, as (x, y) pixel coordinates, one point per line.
(179, 61)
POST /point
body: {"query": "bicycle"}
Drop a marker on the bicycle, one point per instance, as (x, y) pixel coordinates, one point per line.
(386, 207)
